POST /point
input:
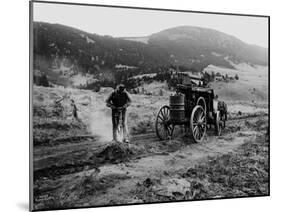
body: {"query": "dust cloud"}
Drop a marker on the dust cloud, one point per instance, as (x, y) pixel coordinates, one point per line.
(101, 125)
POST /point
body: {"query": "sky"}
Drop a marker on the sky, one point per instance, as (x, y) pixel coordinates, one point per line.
(122, 22)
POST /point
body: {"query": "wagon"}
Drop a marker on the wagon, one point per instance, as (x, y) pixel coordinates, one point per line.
(192, 106)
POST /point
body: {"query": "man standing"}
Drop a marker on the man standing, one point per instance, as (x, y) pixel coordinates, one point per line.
(118, 101)
(74, 110)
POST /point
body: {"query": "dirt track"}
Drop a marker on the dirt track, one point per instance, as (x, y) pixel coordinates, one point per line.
(63, 164)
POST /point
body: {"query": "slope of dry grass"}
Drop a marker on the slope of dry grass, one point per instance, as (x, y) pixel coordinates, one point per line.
(244, 172)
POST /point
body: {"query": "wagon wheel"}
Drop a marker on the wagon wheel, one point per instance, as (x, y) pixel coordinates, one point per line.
(164, 129)
(201, 101)
(218, 124)
(198, 123)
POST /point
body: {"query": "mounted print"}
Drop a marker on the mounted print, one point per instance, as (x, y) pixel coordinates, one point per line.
(137, 105)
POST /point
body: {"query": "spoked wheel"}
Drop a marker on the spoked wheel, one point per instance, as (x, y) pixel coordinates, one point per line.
(164, 129)
(218, 124)
(201, 101)
(198, 123)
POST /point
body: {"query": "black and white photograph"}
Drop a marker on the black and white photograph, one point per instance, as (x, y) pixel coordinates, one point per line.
(138, 105)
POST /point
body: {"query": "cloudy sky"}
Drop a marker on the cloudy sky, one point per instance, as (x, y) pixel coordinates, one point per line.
(121, 22)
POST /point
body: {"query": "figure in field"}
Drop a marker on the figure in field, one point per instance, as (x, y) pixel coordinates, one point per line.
(118, 101)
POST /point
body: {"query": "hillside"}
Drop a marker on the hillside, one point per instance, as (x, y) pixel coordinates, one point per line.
(75, 164)
(62, 52)
(88, 51)
(199, 47)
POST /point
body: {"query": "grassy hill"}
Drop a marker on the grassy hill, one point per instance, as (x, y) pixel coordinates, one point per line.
(62, 52)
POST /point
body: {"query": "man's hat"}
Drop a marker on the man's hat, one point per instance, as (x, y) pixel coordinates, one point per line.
(121, 86)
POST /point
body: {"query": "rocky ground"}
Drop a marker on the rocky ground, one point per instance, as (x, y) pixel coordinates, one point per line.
(76, 165)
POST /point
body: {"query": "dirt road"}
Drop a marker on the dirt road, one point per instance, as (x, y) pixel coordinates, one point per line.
(65, 166)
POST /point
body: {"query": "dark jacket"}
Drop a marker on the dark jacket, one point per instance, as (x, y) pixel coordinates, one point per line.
(118, 99)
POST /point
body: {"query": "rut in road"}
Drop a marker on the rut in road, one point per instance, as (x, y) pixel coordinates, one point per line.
(68, 168)
(67, 158)
(162, 166)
